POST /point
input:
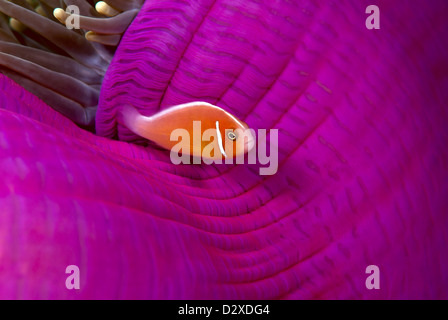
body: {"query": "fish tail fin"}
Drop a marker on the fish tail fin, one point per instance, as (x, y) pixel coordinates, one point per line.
(132, 119)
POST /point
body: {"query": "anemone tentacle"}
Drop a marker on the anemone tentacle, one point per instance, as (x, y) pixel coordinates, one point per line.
(45, 51)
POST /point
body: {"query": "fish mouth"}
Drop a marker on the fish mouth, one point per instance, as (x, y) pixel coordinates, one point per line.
(249, 143)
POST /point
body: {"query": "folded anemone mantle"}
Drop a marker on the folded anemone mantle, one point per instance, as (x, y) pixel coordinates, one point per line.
(362, 176)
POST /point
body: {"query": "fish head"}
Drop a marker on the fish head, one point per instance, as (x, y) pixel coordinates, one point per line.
(234, 136)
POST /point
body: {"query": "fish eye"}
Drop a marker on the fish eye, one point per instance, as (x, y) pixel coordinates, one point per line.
(231, 135)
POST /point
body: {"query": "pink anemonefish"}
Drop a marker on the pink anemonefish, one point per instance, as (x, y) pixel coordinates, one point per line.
(216, 133)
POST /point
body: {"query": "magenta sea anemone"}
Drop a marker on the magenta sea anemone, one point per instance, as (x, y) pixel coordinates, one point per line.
(362, 163)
